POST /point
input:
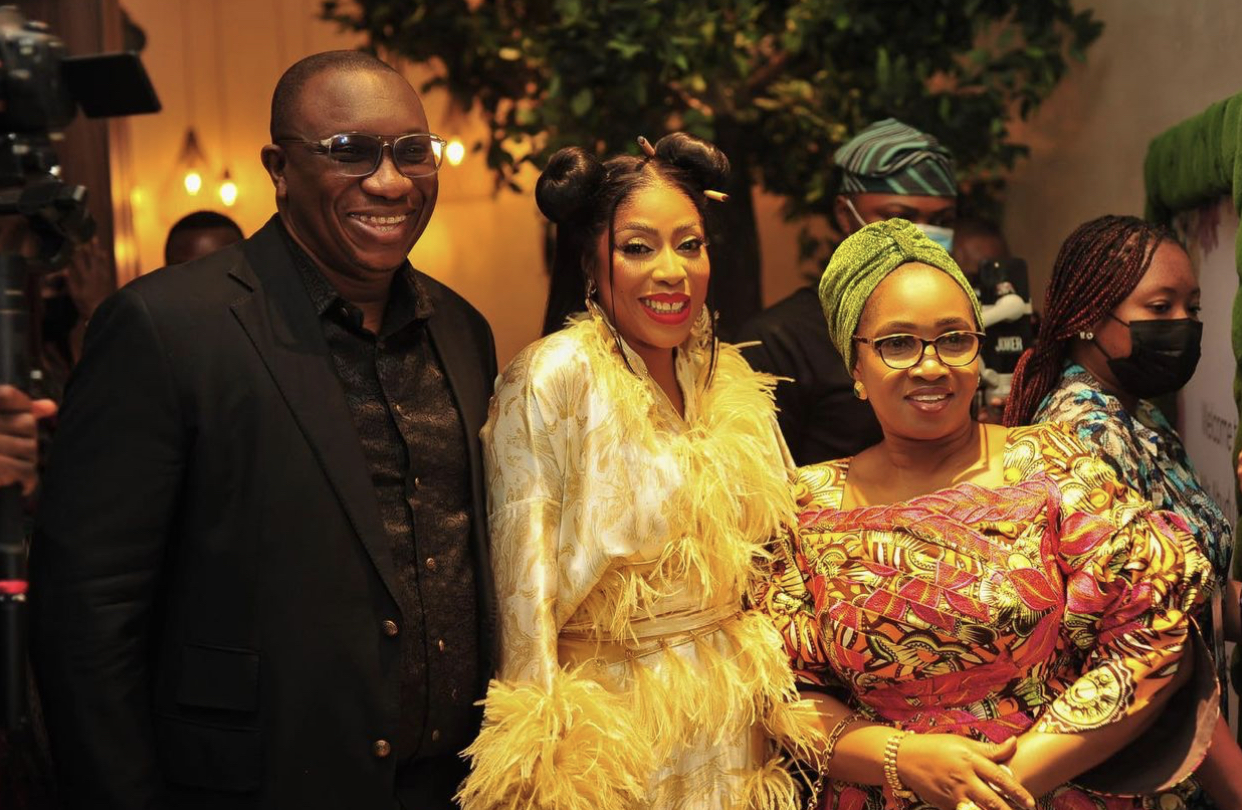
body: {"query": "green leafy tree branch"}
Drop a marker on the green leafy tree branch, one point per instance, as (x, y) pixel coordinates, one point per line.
(778, 85)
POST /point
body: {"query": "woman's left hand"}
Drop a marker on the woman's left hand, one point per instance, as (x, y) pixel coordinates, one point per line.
(948, 772)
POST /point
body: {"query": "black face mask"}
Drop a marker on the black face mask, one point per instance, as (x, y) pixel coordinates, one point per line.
(1163, 356)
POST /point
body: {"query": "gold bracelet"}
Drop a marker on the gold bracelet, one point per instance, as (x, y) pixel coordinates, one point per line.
(899, 790)
(835, 735)
(817, 785)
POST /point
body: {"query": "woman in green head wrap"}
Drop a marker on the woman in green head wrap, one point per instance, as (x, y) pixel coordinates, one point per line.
(1000, 614)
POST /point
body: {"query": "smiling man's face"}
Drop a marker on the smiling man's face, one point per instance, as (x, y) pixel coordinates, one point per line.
(359, 227)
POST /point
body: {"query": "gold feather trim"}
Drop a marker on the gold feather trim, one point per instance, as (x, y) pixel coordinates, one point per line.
(735, 495)
(769, 788)
(574, 747)
(714, 688)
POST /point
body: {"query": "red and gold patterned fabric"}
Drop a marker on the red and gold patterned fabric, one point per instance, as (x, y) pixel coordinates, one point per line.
(1056, 602)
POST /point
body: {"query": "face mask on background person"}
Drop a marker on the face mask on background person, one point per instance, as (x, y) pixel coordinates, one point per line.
(1163, 356)
(937, 233)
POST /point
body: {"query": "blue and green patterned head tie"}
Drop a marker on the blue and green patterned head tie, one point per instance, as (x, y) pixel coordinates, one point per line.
(889, 157)
(865, 259)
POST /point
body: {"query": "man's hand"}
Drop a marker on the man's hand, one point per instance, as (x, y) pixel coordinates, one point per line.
(19, 443)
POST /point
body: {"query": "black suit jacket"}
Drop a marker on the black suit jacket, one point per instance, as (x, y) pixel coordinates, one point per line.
(209, 575)
(818, 413)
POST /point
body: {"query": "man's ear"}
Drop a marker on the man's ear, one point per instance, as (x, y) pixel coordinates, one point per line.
(841, 216)
(275, 161)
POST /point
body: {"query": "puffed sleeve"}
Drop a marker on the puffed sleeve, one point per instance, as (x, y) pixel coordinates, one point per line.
(551, 738)
(1131, 576)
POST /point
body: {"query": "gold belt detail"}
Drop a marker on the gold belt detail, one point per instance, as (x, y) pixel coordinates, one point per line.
(577, 643)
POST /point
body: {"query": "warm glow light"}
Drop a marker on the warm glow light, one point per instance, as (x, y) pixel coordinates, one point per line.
(138, 197)
(228, 192)
(193, 183)
(122, 249)
(455, 152)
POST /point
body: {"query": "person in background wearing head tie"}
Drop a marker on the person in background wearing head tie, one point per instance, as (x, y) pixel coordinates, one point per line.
(887, 170)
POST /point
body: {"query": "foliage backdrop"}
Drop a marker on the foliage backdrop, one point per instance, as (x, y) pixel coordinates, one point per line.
(777, 84)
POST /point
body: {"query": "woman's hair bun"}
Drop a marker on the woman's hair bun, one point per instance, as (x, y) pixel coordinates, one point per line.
(706, 164)
(572, 176)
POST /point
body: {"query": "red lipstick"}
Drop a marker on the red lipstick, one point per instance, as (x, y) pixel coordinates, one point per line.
(673, 308)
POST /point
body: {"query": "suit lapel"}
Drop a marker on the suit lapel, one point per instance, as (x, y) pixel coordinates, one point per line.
(281, 323)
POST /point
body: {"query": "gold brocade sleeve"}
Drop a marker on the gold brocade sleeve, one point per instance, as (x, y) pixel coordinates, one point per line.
(525, 483)
(551, 738)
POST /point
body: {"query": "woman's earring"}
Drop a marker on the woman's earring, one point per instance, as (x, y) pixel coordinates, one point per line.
(860, 392)
(590, 289)
(1087, 335)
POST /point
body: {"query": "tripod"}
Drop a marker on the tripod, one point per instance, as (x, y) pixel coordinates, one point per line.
(56, 213)
(14, 370)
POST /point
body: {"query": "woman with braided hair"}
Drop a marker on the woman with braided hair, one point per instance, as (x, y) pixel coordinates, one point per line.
(1121, 326)
(636, 474)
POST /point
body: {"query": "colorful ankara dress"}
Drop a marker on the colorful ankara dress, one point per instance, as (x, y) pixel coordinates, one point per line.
(1055, 602)
(624, 538)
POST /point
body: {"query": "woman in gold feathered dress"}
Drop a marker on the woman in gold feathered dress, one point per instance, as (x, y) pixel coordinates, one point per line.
(636, 474)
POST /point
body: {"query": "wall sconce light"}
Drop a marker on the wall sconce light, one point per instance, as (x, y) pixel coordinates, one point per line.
(228, 189)
(191, 165)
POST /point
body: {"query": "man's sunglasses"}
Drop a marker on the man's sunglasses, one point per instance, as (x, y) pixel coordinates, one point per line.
(359, 155)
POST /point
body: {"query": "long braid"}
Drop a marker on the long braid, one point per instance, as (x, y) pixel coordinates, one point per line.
(1100, 264)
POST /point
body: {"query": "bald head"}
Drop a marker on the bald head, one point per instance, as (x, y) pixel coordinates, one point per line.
(976, 241)
(199, 234)
(285, 108)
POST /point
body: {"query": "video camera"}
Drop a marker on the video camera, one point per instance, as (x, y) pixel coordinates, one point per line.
(41, 89)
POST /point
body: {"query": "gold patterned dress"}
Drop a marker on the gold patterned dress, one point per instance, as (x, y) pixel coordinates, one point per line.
(624, 538)
(1056, 602)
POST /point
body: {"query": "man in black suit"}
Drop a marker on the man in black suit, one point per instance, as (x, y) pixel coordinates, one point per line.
(260, 573)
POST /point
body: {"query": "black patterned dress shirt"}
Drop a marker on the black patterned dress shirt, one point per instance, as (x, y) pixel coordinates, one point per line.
(414, 441)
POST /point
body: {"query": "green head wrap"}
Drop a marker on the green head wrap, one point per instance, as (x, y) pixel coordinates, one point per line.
(889, 157)
(865, 259)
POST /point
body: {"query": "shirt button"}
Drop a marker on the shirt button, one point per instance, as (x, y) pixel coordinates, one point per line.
(417, 482)
(440, 644)
(389, 627)
(456, 693)
(381, 748)
(435, 735)
(431, 563)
